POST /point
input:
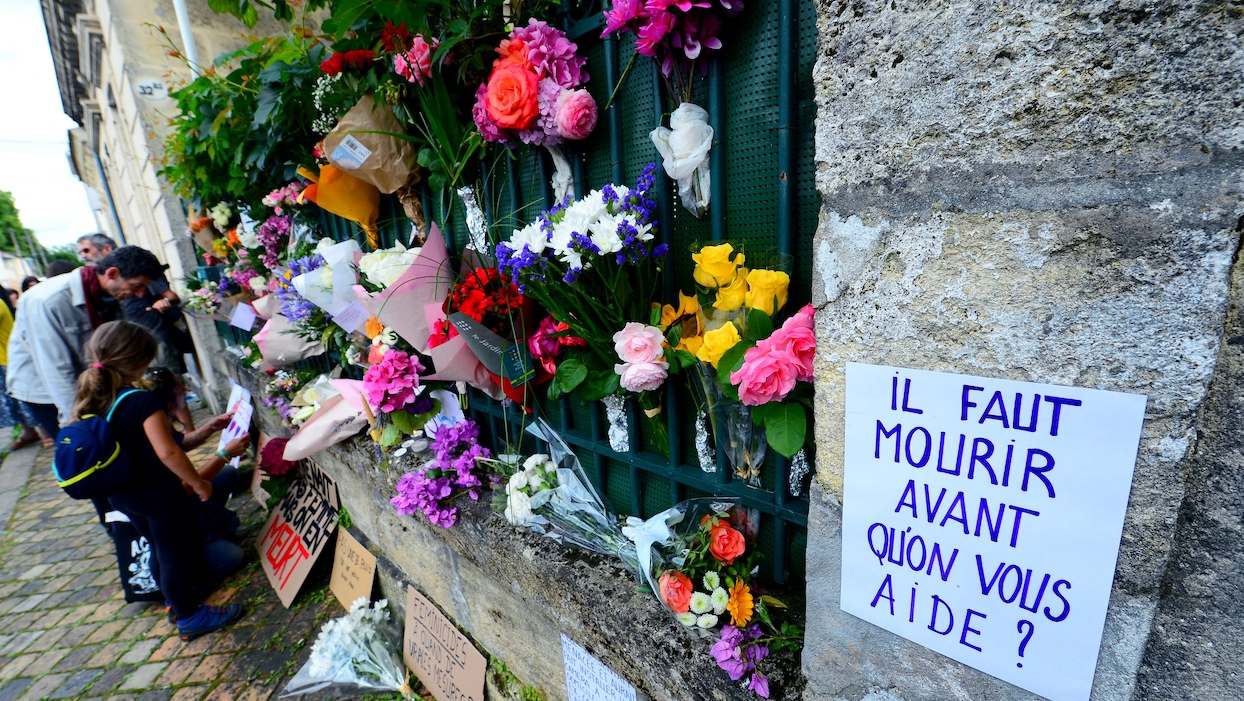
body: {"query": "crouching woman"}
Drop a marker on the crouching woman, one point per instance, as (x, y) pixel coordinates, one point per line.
(155, 499)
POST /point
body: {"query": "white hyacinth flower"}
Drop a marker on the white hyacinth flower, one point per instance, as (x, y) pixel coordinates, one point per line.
(719, 599)
(707, 620)
(686, 618)
(700, 602)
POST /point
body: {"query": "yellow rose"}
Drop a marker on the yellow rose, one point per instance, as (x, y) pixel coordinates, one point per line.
(692, 345)
(730, 297)
(717, 342)
(688, 305)
(714, 266)
(765, 286)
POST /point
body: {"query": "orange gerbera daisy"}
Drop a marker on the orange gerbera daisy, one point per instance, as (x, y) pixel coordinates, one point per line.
(373, 327)
(740, 605)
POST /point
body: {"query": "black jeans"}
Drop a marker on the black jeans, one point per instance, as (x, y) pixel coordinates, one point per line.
(44, 416)
(165, 514)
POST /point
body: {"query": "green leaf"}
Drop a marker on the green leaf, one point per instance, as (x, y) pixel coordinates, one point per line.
(673, 335)
(404, 421)
(730, 361)
(759, 325)
(570, 374)
(654, 317)
(390, 436)
(598, 385)
(786, 426)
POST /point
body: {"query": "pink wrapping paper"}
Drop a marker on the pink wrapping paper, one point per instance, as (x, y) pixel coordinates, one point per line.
(280, 345)
(338, 418)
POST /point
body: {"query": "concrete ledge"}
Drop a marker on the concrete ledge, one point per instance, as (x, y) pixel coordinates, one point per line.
(514, 593)
(14, 472)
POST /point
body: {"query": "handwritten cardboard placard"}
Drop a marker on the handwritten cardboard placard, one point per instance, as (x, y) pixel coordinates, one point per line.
(354, 568)
(297, 532)
(588, 679)
(981, 517)
(439, 654)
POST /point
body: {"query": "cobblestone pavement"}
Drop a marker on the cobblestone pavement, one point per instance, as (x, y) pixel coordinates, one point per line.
(67, 633)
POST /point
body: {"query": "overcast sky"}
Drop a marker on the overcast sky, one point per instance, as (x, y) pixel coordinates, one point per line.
(34, 152)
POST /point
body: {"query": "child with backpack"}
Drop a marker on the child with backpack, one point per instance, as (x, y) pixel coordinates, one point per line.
(148, 487)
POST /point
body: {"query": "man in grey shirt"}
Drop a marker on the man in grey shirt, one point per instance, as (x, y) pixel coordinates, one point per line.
(53, 322)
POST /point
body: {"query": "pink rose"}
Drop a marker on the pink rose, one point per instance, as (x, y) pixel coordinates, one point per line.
(415, 65)
(797, 338)
(765, 376)
(638, 343)
(576, 114)
(642, 377)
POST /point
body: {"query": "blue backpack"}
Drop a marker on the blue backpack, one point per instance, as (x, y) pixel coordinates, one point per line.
(88, 462)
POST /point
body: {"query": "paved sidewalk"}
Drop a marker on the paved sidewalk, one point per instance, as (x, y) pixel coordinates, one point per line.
(67, 633)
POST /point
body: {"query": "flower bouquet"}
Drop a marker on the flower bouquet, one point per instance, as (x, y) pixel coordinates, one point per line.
(593, 264)
(357, 651)
(551, 495)
(453, 472)
(534, 94)
(747, 370)
(281, 388)
(699, 557)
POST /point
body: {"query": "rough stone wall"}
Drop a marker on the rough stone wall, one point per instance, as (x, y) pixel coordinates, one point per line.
(1044, 191)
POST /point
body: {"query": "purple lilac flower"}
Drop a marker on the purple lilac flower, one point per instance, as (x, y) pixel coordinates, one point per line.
(450, 473)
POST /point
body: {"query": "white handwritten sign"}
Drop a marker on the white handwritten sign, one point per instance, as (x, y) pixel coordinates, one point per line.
(981, 517)
(243, 316)
(588, 679)
(240, 407)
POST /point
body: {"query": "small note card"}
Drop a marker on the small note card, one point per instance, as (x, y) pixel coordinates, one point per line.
(588, 679)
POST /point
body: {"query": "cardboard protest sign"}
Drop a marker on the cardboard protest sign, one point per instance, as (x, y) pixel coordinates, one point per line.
(240, 406)
(981, 517)
(297, 532)
(354, 568)
(439, 654)
(588, 679)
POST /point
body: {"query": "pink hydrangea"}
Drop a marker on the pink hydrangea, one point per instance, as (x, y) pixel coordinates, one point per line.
(392, 383)
(415, 65)
(487, 128)
(552, 54)
(545, 132)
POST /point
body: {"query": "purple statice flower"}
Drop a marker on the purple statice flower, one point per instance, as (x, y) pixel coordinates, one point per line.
(583, 243)
(293, 305)
(661, 250)
(572, 275)
(552, 54)
(449, 474)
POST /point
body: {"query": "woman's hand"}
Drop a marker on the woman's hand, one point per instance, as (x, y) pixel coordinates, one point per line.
(218, 423)
(238, 446)
(202, 488)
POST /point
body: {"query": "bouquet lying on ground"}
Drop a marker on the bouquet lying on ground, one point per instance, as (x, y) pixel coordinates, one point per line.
(356, 651)
(698, 557)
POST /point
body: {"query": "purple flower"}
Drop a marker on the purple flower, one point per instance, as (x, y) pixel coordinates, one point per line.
(759, 683)
(450, 473)
(552, 54)
(293, 305)
(544, 132)
(651, 35)
(621, 14)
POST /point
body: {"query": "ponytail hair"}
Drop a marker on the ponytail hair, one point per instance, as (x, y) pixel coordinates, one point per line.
(117, 353)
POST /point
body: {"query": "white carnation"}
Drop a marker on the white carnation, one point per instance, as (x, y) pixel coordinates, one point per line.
(707, 620)
(517, 481)
(518, 509)
(700, 602)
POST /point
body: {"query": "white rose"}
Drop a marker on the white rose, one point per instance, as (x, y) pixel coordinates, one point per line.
(247, 236)
(700, 602)
(518, 509)
(686, 618)
(535, 462)
(517, 481)
(707, 620)
(384, 267)
(259, 284)
(719, 597)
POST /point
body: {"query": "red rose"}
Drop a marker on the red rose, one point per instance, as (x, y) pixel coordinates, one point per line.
(395, 37)
(358, 58)
(725, 543)
(331, 65)
(510, 96)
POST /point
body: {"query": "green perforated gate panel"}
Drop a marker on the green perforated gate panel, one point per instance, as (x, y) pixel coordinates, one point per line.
(760, 99)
